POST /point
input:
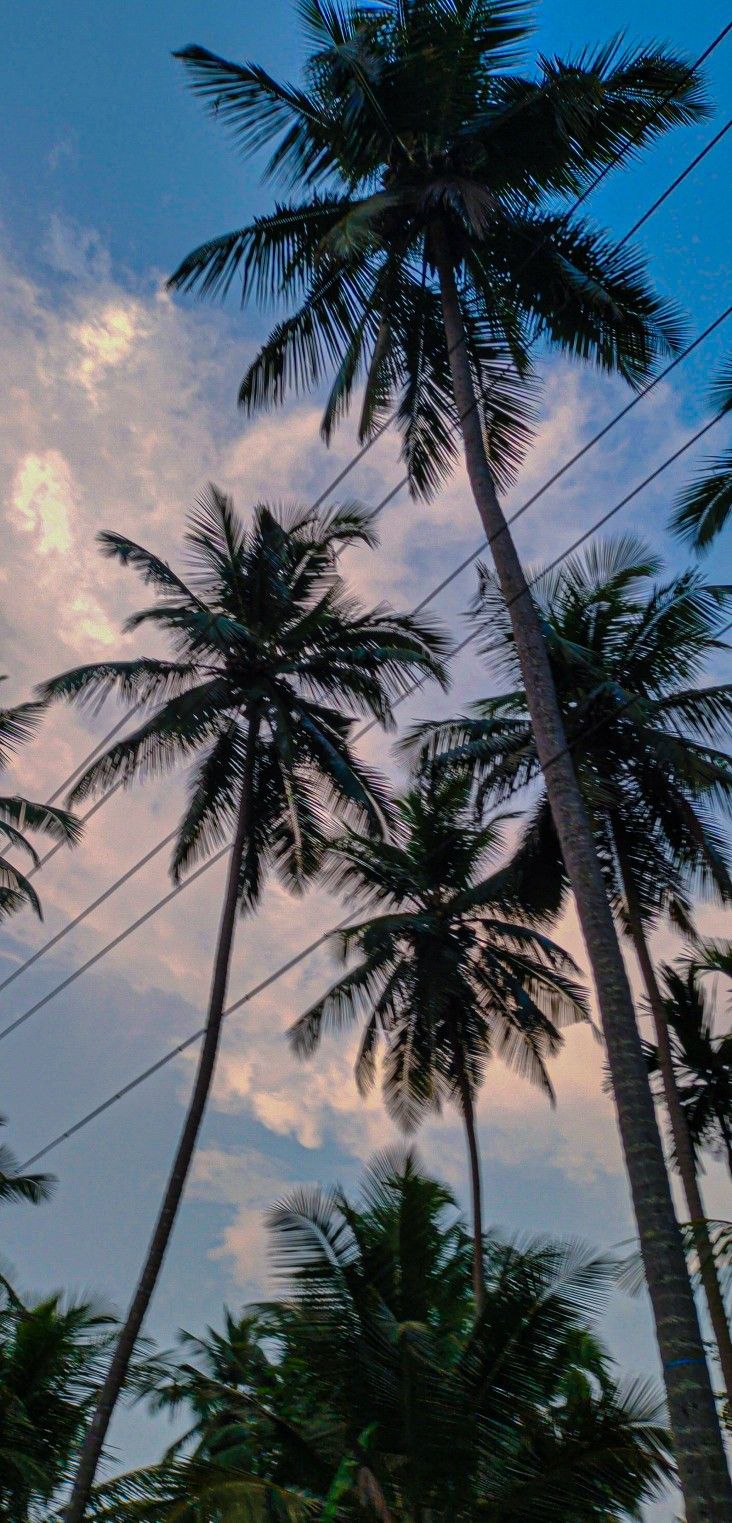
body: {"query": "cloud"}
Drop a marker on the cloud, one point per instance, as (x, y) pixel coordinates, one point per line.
(120, 408)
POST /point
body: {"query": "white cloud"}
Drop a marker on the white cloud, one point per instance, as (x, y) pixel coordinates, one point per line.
(42, 501)
(121, 407)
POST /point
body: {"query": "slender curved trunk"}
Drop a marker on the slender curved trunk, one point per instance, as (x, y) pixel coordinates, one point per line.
(94, 1440)
(679, 1130)
(703, 1472)
(476, 1192)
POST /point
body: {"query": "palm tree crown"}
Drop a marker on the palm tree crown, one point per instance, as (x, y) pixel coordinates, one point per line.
(420, 139)
(447, 973)
(50, 1361)
(627, 652)
(368, 1389)
(17, 815)
(703, 508)
(267, 640)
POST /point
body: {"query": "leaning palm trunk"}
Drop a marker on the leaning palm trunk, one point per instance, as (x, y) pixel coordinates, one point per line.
(680, 1134)
(117, 1372)
(703, 1471)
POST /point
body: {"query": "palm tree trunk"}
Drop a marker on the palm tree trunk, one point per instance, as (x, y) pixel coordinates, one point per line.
(468, 1113)
(679, 1131)
(703, 1472)
(117, 1372)
(727, 1139)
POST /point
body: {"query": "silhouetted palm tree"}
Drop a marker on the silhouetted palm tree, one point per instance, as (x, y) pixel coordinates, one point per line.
(702, 509)
(430, 240)
(369, 1389)
(448, 972)
(701, 1056)
(16, 1186)
(627, 655)
(51, 1361)
(271, 653)
(18, 815)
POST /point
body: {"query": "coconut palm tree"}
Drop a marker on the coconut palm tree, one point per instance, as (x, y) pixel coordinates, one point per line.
(270, 653)
(429, 244)
(447, 972)
(627, 653)
(369, 1387)
(18, 815)
(14, 1186)
(702, 1056)
(703, 508)
(51, 1359)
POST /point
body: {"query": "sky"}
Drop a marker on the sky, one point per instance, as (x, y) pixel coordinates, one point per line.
(120, 405)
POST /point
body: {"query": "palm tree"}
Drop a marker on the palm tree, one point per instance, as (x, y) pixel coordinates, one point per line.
(369, 1387)
(18, 815)
(627, 654)
(430, 245)
(702, 509)
(51, 1359)
(447, 973)
(702, 1057)
(269, 648)
(14, 1186)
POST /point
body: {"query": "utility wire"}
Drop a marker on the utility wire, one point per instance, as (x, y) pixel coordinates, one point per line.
(698, 158)
(424, 602)
(313, 946)
(483, 396)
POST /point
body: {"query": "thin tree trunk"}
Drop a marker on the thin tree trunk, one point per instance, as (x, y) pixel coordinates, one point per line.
(468, 1113)
(727, 1140)
(124, 1348)
(679, 1131)
(703, 1472)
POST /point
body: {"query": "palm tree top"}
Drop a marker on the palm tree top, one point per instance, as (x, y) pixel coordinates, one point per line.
(628, 651)
(419, 138)
(264, 632)
(449, 972)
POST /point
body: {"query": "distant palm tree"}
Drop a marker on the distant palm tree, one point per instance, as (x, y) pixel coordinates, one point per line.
(51, 1361)
(703, 508)
(448, 972)
(429, 241)
(627, 655)
(271, 654)
(17, 815)
(368, 1389)
(702, 1057)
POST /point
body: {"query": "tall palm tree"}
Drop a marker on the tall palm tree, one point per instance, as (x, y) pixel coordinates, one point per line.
(448, 972)
(627, 654)
(51, 1360)
(368, 1388)
(703, 508)
(429, 245)
(702, 1056)
(271, 652)
(18, 815)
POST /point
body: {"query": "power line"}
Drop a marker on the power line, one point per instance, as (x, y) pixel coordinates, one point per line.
(698, 158)
(314, 945)
(430, 597)
(483, 396)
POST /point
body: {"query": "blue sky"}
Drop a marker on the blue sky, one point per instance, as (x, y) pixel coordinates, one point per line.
(122, 404)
